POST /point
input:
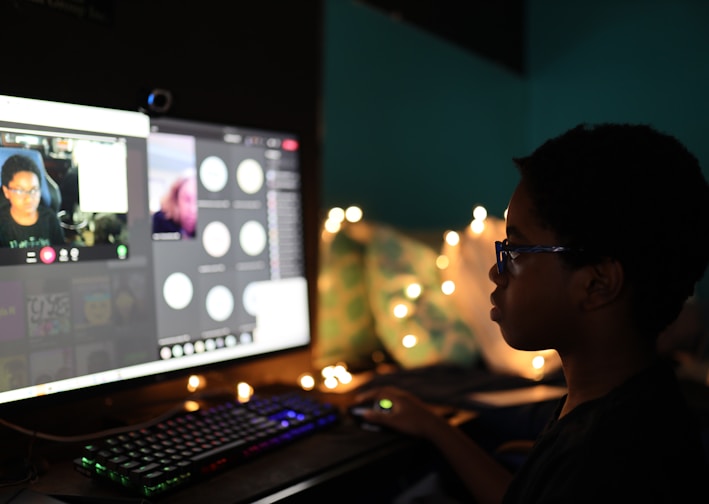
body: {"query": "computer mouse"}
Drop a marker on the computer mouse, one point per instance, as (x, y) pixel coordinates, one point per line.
(383, 405)
(357, 411)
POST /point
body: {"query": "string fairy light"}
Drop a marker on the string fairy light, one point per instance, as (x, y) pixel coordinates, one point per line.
(353, 214)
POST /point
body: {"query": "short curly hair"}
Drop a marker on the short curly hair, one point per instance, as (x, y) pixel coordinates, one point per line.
(632, 193)
(18, 163)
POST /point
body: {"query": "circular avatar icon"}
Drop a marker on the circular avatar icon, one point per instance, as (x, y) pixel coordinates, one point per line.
(219, 303)
(177, 291)
(252, 238)
(250, 299)
(213, 174)
(249, 176)
(216, 239)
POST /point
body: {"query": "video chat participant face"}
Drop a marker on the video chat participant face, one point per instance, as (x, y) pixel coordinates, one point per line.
(23, 194)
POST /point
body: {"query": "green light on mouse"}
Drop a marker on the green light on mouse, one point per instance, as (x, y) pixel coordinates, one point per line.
(122, 251)
(385, 404)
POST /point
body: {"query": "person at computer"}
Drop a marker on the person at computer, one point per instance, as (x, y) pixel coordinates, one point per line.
(24, 221)
(607, 236)
(178, 209)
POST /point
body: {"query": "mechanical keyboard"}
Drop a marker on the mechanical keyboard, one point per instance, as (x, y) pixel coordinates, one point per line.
(192, 445)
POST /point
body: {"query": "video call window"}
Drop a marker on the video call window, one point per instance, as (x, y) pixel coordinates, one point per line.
(60, 195)
(77, 166)
(172, 186)
(226, 229)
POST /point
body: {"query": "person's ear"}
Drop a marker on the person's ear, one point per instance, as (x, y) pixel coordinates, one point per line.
(5, 192)
(602, 283)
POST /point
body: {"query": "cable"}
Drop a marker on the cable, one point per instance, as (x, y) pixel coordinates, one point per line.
(109, 432)
(93, 435)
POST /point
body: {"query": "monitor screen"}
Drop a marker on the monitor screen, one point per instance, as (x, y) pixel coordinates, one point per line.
(133, 248)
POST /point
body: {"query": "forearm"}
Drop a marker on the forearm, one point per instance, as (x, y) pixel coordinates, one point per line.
(484, 478)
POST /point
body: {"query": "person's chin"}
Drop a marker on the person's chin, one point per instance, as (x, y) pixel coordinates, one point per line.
(516, 343)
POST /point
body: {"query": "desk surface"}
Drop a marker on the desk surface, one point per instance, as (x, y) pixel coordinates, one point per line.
(283, 473)
(328, 464)
(327, 461)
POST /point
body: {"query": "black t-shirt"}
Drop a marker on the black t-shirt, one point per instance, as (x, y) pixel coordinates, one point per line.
(46, 231)
(639, 443)
(163, 225)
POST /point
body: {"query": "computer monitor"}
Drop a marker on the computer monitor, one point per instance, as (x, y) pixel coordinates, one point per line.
(182, 249)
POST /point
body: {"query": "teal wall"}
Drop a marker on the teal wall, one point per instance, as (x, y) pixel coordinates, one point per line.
(417, 131)
(620, 60)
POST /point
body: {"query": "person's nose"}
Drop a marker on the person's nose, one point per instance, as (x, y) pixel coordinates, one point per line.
(494, 276)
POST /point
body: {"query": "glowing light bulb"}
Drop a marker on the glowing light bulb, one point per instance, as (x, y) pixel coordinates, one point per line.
(306, 381)
(409, 341)
(448, 287)
(477, 226)
(442, 262)
(538, 362)
(452, 238)
(340, 371)
(332, 226)
(479, 213)
(336, 214)
(401, 310)
(191, 405)
(413, 291)
(244, 391)
(195, 382)
(353, 214)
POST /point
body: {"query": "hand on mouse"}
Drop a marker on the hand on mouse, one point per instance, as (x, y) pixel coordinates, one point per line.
(408, 414)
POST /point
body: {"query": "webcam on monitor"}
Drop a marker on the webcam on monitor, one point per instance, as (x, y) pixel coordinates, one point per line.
(157, 101)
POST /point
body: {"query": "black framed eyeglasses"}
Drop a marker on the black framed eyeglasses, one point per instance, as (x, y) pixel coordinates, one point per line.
(24, 192)
(504, 252)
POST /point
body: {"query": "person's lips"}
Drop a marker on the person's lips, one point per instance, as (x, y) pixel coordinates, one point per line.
(495, 313)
